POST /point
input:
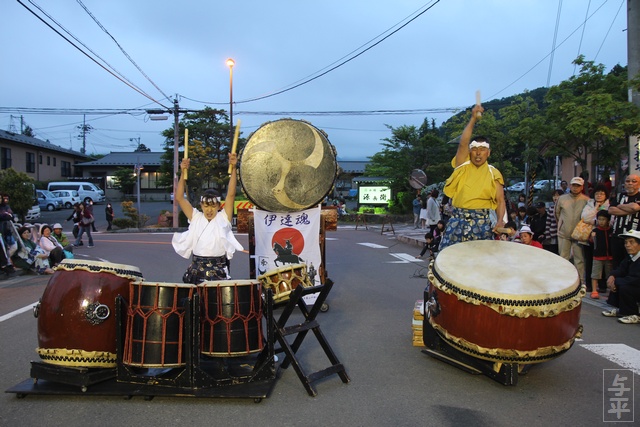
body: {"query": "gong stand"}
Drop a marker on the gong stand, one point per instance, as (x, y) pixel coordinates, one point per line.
(438, 348)
(233, 377)
(310, 323)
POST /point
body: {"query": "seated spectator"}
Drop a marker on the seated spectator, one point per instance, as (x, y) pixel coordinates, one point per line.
(526, 237)
(61, 237)
(508, 232)
(624, 282)
(50, 245)
(30, 256)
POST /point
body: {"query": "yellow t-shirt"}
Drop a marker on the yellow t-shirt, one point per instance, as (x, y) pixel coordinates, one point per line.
(472, 187)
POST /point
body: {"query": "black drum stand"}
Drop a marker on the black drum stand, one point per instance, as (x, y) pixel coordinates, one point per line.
(438, 348)
(251, 376)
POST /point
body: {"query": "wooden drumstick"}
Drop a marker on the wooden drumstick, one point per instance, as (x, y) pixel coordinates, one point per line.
(478, 101)
(235, 144)
(186, 149)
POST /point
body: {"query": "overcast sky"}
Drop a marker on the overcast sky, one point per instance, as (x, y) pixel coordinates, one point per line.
(434, 64)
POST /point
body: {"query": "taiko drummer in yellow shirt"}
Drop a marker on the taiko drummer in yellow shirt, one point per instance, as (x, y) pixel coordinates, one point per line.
(475, 187)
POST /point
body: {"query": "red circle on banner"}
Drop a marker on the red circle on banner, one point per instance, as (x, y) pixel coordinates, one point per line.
(294, 237)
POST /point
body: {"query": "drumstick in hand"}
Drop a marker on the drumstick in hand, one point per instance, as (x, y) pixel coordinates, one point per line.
(478, 100)
(235, 145)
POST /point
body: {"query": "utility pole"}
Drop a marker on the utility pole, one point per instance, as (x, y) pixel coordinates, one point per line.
(633, 68)
(176, 143)
(84, 130)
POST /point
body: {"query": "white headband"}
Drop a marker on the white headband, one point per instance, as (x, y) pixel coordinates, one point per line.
(209, 199)
(475, 143)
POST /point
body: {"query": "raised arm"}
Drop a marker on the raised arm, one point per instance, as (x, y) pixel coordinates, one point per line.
(179, 196)
(462, 155)
(231, 188)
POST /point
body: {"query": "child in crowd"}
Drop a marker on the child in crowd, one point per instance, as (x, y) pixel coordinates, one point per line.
(602, 258)
(430, 245)
(437, 232)
(508, 232)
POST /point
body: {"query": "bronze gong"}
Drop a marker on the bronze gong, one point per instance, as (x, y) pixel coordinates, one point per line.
(287, 165)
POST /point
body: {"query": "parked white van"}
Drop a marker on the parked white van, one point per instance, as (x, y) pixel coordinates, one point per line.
(86, 190)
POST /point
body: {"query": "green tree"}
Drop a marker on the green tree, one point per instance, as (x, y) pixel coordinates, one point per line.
(589, 113)
(125, 180)
(208, 149)
(20, 188)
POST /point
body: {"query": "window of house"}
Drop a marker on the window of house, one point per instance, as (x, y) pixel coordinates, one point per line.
(40, 158)
(31, 163)
(65, 168)
(54, 162)
(48, 160)
(5, 158)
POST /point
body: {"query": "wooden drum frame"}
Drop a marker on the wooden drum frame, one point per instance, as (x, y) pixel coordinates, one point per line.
(504, 302)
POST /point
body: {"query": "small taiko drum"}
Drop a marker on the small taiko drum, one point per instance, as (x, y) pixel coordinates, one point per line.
(287, 166)
(504, 301)
(284, 280)
(231, 321)
(76, 315)
(156, 335)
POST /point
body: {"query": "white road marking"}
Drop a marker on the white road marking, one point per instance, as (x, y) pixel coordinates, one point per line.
(373, 245)
(404, 258)
(19, 311)
(621, 354)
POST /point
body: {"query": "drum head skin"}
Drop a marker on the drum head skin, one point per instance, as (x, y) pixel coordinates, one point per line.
(287, 166)
(506, 268)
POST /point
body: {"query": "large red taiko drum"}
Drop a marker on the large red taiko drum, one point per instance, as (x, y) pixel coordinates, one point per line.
(504, 302)
(76, 315)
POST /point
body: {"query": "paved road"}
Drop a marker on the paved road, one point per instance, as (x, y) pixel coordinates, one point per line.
(369, 327)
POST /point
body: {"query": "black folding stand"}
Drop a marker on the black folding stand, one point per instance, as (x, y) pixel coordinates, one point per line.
(310, 323)
(438, 348)
(251, 376)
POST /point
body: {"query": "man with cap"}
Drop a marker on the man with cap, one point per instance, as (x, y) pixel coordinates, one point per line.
(568, 212)
(475, 188)
(526, 237)
(626, 216)
(624, 282)
(61, 237)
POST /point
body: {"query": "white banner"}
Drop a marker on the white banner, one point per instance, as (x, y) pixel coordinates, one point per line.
(288, 238)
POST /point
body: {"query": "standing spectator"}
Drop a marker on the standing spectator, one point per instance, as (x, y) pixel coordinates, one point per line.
(433, 210)
(89, 208)
(76, 218)
(6, 215)
(564, 186)
(626, 212)
(624, 282)
(538, 222)
(522, 201)
(423, 214)
(599, 202)
(601, 241)
(551, 230)
(108, 211)
(606, 181)
(521, 219)
(85, 226)
(476, 188)
(588, 187)
(417, 204)
(568, 211)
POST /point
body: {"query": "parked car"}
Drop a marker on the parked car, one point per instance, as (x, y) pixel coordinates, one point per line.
(47, 200)
(87, 190)
(33, 214)
(69, 197)
(518, 186)
(546, 185)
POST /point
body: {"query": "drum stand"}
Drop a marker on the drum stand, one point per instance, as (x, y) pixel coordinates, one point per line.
(310, 324)
(232, 377)
(504, 373)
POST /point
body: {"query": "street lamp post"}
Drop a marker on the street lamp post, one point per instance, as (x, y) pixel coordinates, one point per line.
(230, 64)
